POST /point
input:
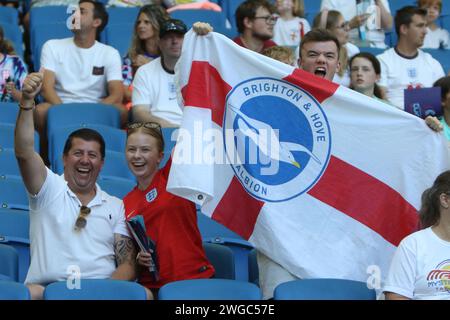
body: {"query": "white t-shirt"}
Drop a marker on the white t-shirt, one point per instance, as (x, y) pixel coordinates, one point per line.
(345, 79)
(57, 249)
(374, 33)
(290, 32)
(82, 75)
(155, 87)
(399, 73)
(420, 268)
(436, 39)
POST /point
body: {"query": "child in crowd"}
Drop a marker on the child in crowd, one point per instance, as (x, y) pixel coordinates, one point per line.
(13, 72)
(365, 71)
(436, 37)
(291, 26)
(282, 54)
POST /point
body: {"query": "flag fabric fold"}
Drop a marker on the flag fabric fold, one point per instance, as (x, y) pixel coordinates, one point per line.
(321, 179)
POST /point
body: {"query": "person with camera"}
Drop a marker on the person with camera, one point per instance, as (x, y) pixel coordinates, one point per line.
(170, 221)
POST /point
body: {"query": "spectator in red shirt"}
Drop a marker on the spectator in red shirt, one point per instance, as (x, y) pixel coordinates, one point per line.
(170, 221)
(255, 20)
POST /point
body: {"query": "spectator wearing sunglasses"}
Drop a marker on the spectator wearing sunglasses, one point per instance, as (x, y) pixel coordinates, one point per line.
(170, 221)
(154, 97)
(76, 229)
(255, 21)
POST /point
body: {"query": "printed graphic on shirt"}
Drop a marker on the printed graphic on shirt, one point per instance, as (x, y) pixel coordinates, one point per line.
(439, 278)
(151, 195)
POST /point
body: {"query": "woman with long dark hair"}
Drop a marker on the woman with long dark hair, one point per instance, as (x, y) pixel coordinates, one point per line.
(365, 71)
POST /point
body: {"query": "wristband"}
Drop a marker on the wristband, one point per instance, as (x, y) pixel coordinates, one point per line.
(26, 109)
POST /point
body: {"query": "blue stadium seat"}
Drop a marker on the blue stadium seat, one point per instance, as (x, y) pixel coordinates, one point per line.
(13, 194)
(41, 34)
(229, 8)
(390, 38)
(8, 164)
(312, 6)
(7, 137)
(9, 265)
(72, 114)
(324, 289)
(119, 15)
(115, 139)
(13, 34)
(214, 232)
(222, 258)
(209, 289)
(8, 112)
(9, 15)
(214, 18)
(95, 290)
(253, 271)
(10, 290)
(119, 36)
(445, 21)
(116, 187)
(14, 231)
(374, 51)
(443, 56)
(398, 4)
(48, 14)
(115, 166)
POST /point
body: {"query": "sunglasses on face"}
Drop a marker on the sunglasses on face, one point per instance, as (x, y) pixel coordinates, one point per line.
(81, 220)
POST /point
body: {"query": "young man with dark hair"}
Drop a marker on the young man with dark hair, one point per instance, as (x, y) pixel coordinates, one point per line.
(80, 69)
(76, 229)
(255, 21)
(406, 66)
(319, 54)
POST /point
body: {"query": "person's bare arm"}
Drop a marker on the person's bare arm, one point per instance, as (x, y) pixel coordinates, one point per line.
(386, 17)
(125, 252)
(141, 113)
(115, 93)
(394, 296)
(48, 88)
(32, 168)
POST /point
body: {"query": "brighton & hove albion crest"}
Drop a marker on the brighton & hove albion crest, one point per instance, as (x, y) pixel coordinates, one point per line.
(277, 138)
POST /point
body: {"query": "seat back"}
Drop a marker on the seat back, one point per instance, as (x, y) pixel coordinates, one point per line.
(119, 36)
(8, 112)
(9, 265)
(10, 290)
(72, 114)
(222, 258)
(8, 164)
(116, 187)
(95, 289)
(209, 289)
(324, 289)
(9, 15)
(7, 136)
(15, 232)
(13, 194)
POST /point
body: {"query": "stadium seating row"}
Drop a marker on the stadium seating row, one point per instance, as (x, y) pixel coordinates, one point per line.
(198, 289)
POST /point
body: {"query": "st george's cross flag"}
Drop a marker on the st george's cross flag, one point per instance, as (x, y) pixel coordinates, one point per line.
(321, 179)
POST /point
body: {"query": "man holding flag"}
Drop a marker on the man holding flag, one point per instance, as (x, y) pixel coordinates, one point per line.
(319, 178)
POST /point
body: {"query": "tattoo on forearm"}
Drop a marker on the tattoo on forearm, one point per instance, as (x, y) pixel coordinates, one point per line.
(124, 249)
